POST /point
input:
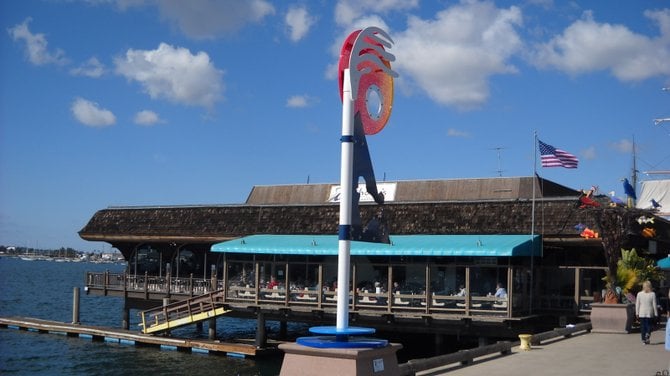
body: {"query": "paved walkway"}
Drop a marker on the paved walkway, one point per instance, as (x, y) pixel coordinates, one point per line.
(590, 354)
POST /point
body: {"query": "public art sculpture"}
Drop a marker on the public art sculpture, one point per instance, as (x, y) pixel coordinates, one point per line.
(366, 88)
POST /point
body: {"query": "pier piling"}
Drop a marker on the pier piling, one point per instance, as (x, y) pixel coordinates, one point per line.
(260, 331)
(125, 320)
(212, 329)
(75, 305)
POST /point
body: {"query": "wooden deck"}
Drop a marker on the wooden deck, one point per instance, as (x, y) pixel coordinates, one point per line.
(126, 337)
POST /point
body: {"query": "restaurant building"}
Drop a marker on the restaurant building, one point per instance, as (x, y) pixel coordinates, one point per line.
(440, 251)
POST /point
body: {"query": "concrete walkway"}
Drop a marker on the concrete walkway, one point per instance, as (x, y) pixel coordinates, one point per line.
(585, 354)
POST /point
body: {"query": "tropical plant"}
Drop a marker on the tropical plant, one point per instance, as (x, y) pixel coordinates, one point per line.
(632, 270)
(645, 269)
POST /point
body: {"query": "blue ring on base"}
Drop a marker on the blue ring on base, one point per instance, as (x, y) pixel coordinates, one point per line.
(348, 338)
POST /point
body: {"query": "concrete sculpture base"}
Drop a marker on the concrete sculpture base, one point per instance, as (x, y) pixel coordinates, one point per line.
(302, 360)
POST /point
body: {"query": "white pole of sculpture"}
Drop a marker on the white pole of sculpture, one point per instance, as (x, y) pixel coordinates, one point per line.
(346, 189)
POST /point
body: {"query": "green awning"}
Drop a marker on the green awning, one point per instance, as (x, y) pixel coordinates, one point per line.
(401, 245)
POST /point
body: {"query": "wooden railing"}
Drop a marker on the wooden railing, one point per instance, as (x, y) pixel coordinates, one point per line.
(359, 300)
(146, 283)
(183, 312)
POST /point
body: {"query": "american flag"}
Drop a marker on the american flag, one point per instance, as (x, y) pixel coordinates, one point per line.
(552, 157)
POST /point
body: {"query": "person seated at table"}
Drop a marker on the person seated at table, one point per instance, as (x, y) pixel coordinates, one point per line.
(461, 291)
(500, 293)
(273, 283)
(378, 288)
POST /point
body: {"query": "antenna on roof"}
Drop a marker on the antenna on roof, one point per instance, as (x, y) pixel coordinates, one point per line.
(498, 149)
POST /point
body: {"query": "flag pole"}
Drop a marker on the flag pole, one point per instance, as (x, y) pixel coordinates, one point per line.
(532, 224)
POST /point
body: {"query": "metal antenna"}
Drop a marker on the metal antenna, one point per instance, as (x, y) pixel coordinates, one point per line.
(498, 149)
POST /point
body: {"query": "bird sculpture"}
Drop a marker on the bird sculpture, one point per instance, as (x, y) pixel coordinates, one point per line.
(615, 200)
(586, 200)
(628, 189)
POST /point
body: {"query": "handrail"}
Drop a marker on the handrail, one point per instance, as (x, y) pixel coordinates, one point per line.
(148, 283)
(182, 309)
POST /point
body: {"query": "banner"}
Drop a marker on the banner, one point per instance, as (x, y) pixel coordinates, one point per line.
(388, 189)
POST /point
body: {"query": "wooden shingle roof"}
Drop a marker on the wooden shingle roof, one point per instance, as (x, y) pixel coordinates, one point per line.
(484, 189)
(556, 213)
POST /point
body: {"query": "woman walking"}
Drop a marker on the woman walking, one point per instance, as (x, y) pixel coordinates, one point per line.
(646, 310)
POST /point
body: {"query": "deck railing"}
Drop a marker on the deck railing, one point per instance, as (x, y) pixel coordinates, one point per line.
(147, 283)
(384, 302)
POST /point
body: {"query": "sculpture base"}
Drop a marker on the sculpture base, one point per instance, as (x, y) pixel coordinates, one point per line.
(304, 360)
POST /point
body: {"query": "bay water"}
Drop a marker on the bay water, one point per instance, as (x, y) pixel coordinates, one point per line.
(44, 290)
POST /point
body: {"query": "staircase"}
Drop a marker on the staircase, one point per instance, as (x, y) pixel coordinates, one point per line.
(184, 312)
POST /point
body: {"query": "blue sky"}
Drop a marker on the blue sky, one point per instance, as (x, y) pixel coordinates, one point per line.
(140, 102)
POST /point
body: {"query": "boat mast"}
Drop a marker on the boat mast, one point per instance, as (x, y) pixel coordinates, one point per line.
(633, 177)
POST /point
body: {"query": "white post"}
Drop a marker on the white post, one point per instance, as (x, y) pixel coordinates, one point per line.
(346, 186)
(532, 225)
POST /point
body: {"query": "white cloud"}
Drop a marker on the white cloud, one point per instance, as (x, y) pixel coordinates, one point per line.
(299, 101)
(589, 153)
(202, 19)
(211, 18)
(348, 10)
(299, 22)
(89, 113)
(173, 73)
(623, 146)
(453, 132)
(452, 56)
(91, 68)
(147, 117)
(587, 46)
(36, 45)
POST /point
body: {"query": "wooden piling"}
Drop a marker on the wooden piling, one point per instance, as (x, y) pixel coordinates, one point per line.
(75, 305)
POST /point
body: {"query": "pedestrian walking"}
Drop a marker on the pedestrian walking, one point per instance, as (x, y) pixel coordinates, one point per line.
(646, 310)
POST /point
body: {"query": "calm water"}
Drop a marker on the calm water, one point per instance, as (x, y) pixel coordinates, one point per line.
(43, 289)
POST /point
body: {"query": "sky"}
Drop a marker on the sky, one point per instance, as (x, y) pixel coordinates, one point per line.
(145, 102)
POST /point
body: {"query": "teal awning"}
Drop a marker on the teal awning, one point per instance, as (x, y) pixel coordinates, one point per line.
(401, 245)
(664, 263)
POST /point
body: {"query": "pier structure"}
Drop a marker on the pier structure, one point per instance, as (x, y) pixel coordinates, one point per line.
(132, 338)
(182, 252)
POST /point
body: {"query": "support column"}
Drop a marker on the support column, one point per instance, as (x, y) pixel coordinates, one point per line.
(125, 320)
(212, 328)
(483, 341)
(198, 326)
(166, 302)
(283, 329)
(260, 331)
(75, 305)
(439, 343)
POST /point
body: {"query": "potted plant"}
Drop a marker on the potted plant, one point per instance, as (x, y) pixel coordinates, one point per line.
(625, 270)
